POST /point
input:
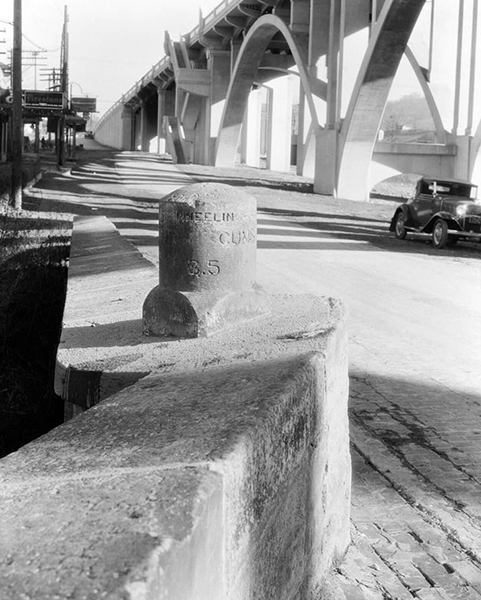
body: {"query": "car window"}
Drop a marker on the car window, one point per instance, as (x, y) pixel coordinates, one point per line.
(448, 189)
(424, 189)
(440, 189)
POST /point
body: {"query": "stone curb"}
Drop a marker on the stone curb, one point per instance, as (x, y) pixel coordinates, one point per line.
(232, 482)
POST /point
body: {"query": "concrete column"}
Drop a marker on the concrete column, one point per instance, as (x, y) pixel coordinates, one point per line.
(243, 140)
(253, 129)
(342, 33)
(300, 16)
(301, 133)
(472, 68)
(319, 155)
(279, 154)
(220, 66)
(201, 132)
(318, 30)
(36, 147)
(160, 117)
(459, 53)
(127, 128)
(333, 65)
(169, 111)
(144, 142)
(326, 162)
(74, 141)
(135, 128)
(464, 162)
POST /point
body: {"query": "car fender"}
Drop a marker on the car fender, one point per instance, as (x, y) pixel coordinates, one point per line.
(445, 216)
(407, 216)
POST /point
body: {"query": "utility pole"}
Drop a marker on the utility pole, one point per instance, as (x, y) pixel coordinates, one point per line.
(17, 121)
(34, 58)
(64, 89)
(51, 77)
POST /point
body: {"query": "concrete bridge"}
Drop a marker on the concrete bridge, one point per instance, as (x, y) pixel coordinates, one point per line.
(280, 82)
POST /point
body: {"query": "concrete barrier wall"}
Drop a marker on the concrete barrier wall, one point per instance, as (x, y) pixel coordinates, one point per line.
(430, 159)
(109, 132)
(226, 476)
(232, 483)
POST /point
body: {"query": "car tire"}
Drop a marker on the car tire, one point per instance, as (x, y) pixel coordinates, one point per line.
(399, 229)
(440, 234)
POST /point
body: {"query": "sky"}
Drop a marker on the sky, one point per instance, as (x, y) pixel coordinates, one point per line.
(113, 43)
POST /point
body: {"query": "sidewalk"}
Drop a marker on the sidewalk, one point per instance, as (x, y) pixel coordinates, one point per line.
(416, 529)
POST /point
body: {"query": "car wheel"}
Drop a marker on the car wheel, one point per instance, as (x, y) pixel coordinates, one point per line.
(440, 234)
(399, 229)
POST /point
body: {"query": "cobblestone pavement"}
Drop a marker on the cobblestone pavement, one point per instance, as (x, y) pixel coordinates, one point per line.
(415, 356)
(415, 400)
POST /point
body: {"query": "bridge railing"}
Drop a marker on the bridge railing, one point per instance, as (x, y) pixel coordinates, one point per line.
(153, 72)
(218, 12)
(194, 35)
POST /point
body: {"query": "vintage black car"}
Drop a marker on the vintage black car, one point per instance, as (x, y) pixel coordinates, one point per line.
(445, 209)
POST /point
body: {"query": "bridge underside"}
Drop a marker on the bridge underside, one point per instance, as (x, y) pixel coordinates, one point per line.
(264, 84)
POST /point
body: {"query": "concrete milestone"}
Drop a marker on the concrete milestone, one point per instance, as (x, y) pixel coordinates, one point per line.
(207, 263)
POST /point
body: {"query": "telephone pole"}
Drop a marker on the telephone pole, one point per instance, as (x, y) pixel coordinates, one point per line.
(64, 89)
(17, 121)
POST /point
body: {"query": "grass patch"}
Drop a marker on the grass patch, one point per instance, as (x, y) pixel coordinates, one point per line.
(33, 276)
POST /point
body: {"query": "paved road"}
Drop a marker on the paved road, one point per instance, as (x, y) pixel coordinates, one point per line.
(415, 356)
(415, 405)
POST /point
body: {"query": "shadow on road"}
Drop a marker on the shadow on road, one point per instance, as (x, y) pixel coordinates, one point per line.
(347, 230)
(121, 187)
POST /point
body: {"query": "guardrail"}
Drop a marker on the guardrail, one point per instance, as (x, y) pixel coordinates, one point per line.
(218, 13)
(149, 76)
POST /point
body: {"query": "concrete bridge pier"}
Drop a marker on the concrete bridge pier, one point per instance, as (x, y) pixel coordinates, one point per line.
(143, 141)
(135, 138)
(280, 130)
(139, 124)
(219, 63)
(251, 130)
(325, 156)
(266, 131)
(465, 156)
(231, 77)
(161, 102)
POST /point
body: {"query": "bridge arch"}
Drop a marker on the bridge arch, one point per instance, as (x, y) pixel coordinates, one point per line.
(379, 169)
(433, 107)
(361, 125)
(244, 75)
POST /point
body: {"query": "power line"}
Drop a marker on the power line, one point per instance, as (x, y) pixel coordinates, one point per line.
(28, 39)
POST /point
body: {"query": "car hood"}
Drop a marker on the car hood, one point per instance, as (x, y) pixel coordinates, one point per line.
(450, 205)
